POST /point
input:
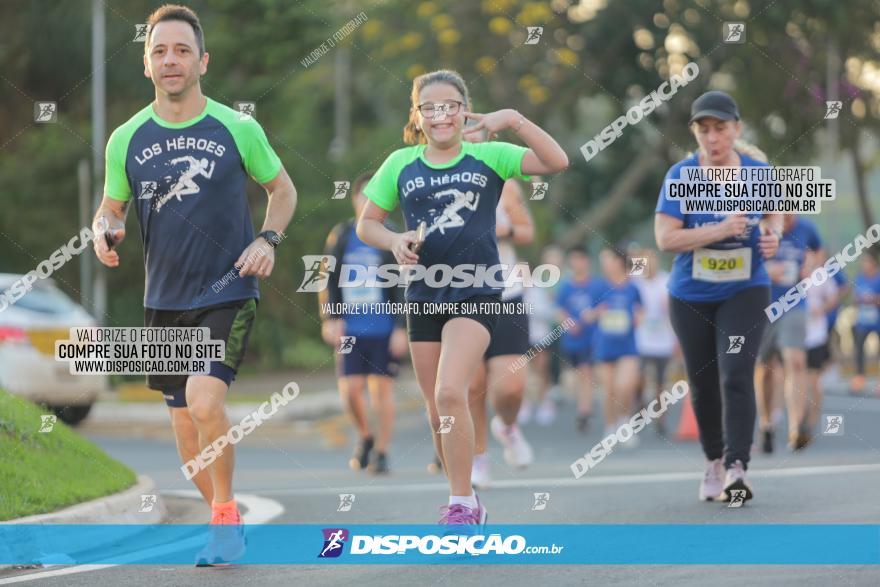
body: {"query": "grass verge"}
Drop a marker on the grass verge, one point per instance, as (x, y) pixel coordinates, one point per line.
(45, 471)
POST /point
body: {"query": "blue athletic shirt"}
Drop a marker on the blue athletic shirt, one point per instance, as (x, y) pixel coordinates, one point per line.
(575, 297)
(841, 281)
(868, 317)
(682, 284)
(615, 334)
(376, 325)
(802, 237)
(188, 180)
(456, 200)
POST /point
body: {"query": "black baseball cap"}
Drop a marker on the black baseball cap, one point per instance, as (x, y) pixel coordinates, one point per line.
(715, 104)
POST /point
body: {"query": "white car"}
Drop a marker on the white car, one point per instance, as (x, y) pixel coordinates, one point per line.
(28, 331)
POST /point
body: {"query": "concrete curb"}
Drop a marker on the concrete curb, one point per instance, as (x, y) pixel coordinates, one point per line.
(118, 509)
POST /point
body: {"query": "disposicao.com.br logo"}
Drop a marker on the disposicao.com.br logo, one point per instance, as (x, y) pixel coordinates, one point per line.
(334, 540)
(320, 267)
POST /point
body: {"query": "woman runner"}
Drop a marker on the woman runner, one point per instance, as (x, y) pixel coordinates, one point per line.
(717, 308)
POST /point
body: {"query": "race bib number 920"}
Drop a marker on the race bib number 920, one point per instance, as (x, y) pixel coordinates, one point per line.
(722, 266)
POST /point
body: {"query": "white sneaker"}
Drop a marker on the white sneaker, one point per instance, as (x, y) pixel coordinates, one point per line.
(712, 485)
(546, 413)
(480, 477)
(525, 412)
(735, 484)
(517, 451)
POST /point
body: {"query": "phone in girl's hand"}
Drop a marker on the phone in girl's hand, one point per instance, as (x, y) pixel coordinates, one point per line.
(420, 237)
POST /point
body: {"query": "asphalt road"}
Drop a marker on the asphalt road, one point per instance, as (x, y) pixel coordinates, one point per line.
(295, 474)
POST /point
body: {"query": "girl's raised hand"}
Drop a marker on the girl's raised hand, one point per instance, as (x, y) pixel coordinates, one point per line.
(493, 122)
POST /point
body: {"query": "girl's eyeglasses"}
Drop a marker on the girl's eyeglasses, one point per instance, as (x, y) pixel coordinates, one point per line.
(440, 109)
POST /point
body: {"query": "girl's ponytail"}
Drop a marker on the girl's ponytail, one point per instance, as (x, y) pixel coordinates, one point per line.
(412, 134)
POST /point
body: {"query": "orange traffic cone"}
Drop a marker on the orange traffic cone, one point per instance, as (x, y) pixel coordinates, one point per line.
(687, 424)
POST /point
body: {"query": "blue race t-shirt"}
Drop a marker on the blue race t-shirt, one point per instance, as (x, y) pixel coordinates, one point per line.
(378, 324)
(456, 200)
(717, 274)
(864, 288)
(615, 334)
(188, 183)
(575, 297)
(792, 253)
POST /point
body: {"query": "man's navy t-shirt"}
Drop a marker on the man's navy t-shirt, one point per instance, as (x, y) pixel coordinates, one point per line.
(188, 182)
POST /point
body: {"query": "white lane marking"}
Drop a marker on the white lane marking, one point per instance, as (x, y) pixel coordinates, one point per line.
(259, 510)
(54, 573)
(583, 481)
(261, 503)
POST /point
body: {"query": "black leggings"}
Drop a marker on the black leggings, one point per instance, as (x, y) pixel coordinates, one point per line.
(721, 382)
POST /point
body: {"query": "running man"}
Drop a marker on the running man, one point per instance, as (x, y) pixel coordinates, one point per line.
(195, 238)
(843, 290)
(787, 336)
(866, 296)
(541, 303)
(542, 324)
(710, 304)
(617, 313)
(498, 377)
(578, 294)
(372, 363)
(447, 348)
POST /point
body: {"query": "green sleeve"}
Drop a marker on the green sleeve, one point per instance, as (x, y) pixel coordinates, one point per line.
(116, 185)
(259, 158)
(382, 188)
(504, 158)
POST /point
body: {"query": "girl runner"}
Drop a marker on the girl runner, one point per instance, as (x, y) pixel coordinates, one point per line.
(718, 314)
(453, 186)
(617, 312)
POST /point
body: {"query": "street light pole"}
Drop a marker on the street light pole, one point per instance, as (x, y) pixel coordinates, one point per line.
(99, 135)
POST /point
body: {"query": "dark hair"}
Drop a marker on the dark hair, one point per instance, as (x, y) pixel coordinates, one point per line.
(361, 181)
(176, 12)
(578, 250)
(412, 134)
(618, 251)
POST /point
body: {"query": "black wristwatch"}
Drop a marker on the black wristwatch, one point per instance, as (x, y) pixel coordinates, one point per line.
(271, 237)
